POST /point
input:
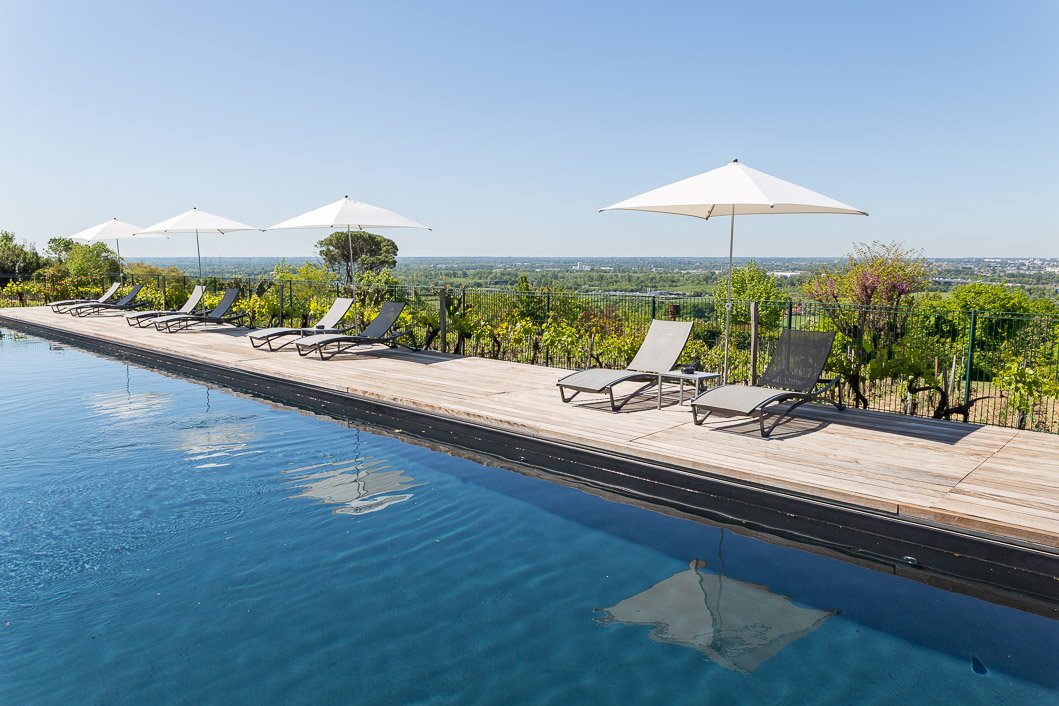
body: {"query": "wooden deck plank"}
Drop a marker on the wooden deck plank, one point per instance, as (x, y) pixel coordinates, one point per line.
(992, 479)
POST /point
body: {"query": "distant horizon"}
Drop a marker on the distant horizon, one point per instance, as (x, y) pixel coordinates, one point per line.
(584, 257)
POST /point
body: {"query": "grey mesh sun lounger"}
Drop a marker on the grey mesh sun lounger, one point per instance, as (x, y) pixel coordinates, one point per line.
(793, 373)
(658, 355)
(380, 330)
(126, 302)
(327, 324)
(62, 306)
(217, 315)
(145, 318)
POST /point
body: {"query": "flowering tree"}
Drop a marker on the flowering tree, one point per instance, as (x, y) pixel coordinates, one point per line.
(870, 298)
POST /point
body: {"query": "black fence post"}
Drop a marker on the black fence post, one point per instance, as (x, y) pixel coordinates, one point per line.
(442, 319)
(462, 346)
(970, 357)
(753, 343)
(547, 316)
(353, 294)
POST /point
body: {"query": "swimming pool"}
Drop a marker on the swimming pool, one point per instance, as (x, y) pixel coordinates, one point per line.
(164, 542)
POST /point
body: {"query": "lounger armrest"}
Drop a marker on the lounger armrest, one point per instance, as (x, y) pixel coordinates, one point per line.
(827, 384)
(398, 335)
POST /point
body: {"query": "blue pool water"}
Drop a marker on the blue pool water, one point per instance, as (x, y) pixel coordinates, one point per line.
(161, 542)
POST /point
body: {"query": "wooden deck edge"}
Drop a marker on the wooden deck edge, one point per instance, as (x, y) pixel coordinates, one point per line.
(983, 525)
(1008, 563)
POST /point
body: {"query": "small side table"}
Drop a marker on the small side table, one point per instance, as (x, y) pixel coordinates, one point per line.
(697, 379)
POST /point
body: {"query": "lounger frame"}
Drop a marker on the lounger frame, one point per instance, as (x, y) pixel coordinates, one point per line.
(378, 331)
(763, 410)
(327, 324)
(658, 354)
(126, 303)
(61, 307)
(799, 371)
(186, 322)
(217, 315)
(350, 342)
(143, 319)
(616, 404)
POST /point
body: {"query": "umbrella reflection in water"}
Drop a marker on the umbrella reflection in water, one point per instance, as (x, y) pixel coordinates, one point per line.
(736, 624)
(358, 486)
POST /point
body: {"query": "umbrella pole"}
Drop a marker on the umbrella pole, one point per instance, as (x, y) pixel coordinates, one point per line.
(198, 251)
(728, 300)
(121, 272)
(349, 266)
(352, 283)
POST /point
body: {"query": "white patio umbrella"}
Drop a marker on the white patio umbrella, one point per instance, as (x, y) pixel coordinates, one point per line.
(196, 221)
(732, 190)
(347, 213)
(113, 229)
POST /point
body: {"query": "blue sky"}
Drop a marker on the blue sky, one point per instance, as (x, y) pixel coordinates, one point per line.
(506, 126)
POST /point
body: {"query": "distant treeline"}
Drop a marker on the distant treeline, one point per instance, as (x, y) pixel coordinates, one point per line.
(683, 275)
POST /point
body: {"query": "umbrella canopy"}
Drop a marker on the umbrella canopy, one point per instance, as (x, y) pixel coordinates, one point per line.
(113, 229)
(732, 190)
(346, 213)
(196, 221)
(109, 229)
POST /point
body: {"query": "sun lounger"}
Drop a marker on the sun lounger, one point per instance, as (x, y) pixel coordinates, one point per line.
(380, 330)
(658, 355)
(145, 318)
(126, 302)
(217, 315)
(327, 324)
(793, 374)
(62, 306)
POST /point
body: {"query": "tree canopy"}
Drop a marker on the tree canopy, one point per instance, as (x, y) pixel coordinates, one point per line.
(69, 258)
(750, 282)
(982, 296)
(369, 253)
(146, 269)
(17, 258)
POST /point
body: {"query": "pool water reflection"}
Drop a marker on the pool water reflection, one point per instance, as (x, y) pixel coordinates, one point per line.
(163, 542)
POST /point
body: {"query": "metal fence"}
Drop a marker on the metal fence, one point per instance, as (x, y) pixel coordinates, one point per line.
(986, 367)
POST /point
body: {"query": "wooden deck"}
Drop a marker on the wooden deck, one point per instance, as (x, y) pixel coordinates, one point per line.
(1003, 482)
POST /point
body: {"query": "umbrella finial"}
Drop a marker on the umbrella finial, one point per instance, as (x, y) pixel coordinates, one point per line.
(735, 160)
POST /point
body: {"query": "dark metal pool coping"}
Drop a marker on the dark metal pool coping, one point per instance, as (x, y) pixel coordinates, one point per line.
(996, 568)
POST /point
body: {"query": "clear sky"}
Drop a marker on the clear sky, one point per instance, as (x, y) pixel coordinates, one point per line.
(505, 126)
